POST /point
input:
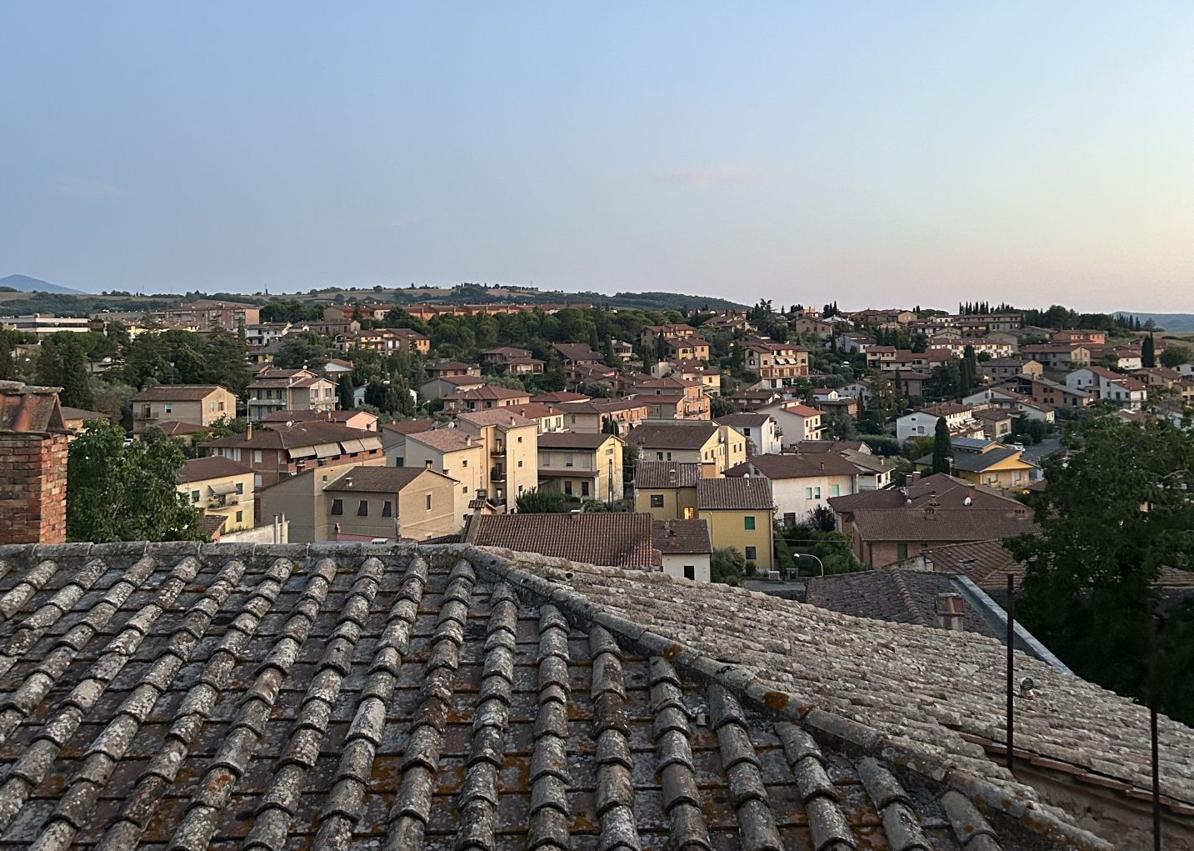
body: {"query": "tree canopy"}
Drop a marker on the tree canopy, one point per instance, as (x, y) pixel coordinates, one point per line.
(119, 492)
(1116, 511)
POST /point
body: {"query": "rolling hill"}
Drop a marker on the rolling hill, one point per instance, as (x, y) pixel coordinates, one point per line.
(27, 284)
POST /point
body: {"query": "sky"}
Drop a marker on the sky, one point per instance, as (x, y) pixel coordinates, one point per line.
(865, 152)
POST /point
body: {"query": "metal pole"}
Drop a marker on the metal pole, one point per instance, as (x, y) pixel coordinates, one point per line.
(1011, 641)
(1152, 723)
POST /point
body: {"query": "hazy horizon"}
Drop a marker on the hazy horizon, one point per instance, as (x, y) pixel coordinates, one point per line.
(869, 155)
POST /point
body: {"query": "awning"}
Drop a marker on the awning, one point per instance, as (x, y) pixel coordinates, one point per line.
(352, 446)
(302, 452)
(327, 450)
(370, 443)
(222, 489)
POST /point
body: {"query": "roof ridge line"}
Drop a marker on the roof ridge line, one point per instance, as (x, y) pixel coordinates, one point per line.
(828, 727)
(906, 597)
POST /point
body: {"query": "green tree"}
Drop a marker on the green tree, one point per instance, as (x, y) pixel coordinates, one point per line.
(1148, 351)
(1175, 355)
(1090, 588)
(62, 362)
(125, 493)
(8, 366)
(346, 392)
(226, 361)
(943, 450)
(535, 501)
(306, 350)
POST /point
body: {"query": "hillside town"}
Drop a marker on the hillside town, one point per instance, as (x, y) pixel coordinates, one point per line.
(774, 437)
(891, 466)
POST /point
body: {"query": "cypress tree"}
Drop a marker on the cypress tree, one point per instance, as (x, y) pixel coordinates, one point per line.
(1148, 351)
(943, 451)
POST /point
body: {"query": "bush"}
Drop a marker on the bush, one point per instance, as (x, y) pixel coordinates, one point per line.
(542, 502)
(881, 444)
(726, 566)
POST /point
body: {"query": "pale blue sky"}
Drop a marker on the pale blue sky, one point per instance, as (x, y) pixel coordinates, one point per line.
(868, 152)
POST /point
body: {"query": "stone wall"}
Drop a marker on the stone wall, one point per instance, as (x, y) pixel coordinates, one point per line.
(32, 488)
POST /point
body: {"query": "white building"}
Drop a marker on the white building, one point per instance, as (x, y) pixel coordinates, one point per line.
(685, 548)
(45, 324)
(923, 423)
(761, 431)
(801, 482)
(797, 422)
(1108, 386)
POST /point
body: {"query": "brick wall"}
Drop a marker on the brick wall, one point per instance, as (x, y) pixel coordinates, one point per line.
(32, 488)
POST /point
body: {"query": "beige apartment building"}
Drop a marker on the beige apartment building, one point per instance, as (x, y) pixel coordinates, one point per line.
(511, 443)
(219, 488)
(716, 447)
(274, 390)
(196, 404)
(581, 465)
(298, 498)
(390, 503)
(456, 454)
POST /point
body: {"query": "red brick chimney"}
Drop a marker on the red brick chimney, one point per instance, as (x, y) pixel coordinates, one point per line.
(33, 442)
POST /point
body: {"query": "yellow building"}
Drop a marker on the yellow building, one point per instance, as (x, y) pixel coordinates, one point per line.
(739, 513)
(197, 404)
(219, 487)
(667, 490)
(581, 465)
(987, 463)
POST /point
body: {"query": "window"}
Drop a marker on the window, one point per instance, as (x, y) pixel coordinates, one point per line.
(658, 456)
(752, 553)
(520, 465)
(835, 490)
(240, 487)
(657, 500)
(363, 508)
(240, 517)
(690, 571)
(748, 522)
(808, 493)
(790, 518)
(168, 408)
(901, 551)
(584, 488)
(256, 456)
(387, 509)
(194, 496)
(428, 502)
(337, 506)
(568, 488)
(463, 463)
(817, 492)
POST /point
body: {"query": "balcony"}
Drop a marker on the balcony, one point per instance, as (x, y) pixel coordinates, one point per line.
(497, 474)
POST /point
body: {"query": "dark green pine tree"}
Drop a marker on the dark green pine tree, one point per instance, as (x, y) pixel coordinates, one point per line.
(1148, 351)
(943, 451)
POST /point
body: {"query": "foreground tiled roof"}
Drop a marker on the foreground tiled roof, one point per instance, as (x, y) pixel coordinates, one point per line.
(186, 696)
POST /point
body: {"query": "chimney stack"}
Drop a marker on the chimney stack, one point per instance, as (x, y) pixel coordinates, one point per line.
(33, 443)
(950, 611)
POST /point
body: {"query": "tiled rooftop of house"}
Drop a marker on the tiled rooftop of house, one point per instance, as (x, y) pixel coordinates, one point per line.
(191, 696)
(666, 474)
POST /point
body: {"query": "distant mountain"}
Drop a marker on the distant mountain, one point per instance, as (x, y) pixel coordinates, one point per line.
(26, 284)
(1176, 322)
